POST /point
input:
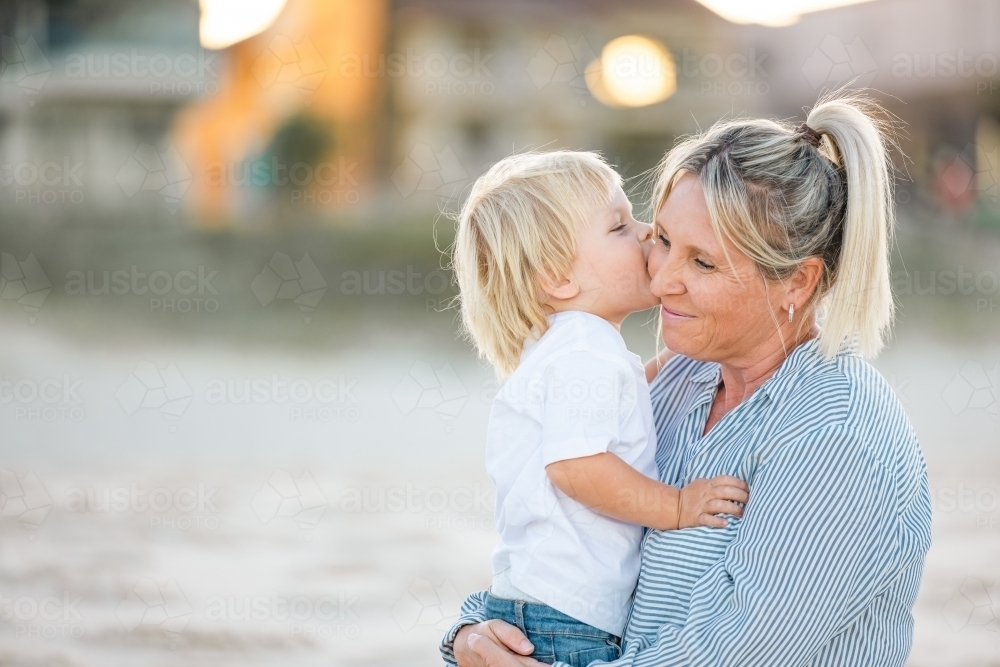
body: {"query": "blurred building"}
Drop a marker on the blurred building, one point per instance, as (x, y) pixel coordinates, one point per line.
(84, 86)
(296, 123)
(387, 109)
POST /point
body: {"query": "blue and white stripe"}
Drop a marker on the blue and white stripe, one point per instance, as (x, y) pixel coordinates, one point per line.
(824, 567)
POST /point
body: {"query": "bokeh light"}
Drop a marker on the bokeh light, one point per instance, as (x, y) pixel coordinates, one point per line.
(226, 22)
(774, 13)
(632, 71)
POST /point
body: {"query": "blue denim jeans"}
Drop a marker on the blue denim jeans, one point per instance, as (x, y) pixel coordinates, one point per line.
(555, 635)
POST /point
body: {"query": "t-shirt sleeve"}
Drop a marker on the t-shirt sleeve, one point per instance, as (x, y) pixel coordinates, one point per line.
(586, 400)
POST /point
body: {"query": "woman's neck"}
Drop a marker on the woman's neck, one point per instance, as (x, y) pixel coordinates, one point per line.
(743, 376)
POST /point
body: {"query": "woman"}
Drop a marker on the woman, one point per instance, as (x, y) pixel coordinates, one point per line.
(757, 227)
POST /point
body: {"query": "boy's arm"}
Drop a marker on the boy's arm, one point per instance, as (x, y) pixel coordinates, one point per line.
(609, 486)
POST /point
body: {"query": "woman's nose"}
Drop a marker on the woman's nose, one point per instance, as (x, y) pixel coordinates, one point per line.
(662, 281)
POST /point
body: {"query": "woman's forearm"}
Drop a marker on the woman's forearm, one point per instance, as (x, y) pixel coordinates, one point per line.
(609, 486)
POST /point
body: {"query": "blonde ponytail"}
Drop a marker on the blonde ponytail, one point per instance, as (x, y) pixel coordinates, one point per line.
(860, 306)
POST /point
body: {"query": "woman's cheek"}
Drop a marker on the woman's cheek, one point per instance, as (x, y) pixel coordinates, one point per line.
(655, 261)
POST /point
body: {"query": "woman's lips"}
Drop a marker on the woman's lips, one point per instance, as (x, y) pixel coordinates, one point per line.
(673, 314)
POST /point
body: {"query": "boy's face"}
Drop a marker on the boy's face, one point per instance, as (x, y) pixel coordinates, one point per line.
(610, 265)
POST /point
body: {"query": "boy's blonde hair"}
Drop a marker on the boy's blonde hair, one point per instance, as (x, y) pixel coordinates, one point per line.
(519, 223)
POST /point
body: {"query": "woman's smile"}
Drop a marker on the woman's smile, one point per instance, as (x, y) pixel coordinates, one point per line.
(674, 314)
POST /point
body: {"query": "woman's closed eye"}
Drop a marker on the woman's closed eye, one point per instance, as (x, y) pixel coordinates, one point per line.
(700, 263)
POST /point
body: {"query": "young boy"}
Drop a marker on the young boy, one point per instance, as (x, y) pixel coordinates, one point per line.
(550, 262)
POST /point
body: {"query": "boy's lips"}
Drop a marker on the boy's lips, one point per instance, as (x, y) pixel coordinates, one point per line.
(674, 314)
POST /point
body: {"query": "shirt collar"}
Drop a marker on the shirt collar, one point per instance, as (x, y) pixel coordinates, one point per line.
(709, 372)
(803, 357)
(778, 385)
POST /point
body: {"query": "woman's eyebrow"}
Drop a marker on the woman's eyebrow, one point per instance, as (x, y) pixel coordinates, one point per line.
(698, 250)
(691, 248)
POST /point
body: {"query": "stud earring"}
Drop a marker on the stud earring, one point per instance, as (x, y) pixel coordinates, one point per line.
(791, 311)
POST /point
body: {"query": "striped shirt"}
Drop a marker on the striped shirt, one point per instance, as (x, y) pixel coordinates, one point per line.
(824, 567)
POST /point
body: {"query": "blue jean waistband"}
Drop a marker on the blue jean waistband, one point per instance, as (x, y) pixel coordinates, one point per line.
(536, 613)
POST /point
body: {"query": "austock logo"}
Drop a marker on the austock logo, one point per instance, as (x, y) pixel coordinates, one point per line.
(25, 65)
(974, 388)
(24, 282)
(25, 499)
(48, 182)
(46, 617)
(559, 62)
(47, 400)
(976, 170)
(283, 496)
(427, 604)
(835, 63)
(181, 73)
(284, 279)
(154, 605)
(424, 387)
(150, 170)
(163, 389)
(975, 606)
(426, 170)
(297, 65)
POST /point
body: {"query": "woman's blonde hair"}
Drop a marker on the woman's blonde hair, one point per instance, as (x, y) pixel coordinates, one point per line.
(779, 199)
(520, 222)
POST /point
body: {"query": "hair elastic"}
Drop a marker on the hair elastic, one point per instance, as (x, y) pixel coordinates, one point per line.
(809, 134)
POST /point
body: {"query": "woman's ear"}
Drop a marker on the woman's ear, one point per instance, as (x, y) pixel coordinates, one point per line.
(558, 289)
(801, 285)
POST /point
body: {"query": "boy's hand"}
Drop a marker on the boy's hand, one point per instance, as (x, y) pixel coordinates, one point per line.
(702, 499)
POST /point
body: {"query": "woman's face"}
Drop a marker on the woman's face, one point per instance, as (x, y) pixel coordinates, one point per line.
(714, 304)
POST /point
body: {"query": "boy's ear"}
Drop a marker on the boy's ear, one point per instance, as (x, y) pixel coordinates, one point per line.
(559, 289)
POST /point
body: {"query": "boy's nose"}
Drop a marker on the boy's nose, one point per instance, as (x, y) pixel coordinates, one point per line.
(645, 232)
(645, 235)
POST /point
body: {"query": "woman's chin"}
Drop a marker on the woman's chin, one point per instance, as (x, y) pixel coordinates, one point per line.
(675, 339)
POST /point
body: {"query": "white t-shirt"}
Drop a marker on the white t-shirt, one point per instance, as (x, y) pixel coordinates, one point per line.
(577, 392)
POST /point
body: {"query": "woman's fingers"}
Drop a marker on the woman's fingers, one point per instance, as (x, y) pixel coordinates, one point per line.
(511, 637)
(496, 656)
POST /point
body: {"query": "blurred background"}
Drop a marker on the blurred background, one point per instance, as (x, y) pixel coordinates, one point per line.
(237, 423)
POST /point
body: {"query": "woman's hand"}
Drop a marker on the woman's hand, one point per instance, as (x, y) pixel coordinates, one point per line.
(493, 643)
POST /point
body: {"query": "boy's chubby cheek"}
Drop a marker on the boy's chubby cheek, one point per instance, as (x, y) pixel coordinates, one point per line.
(630, 283)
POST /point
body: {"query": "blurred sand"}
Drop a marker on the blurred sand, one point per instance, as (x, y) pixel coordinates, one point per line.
(355, 580)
